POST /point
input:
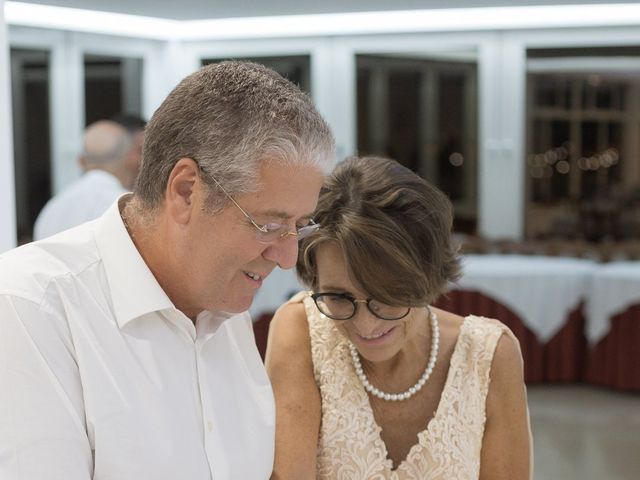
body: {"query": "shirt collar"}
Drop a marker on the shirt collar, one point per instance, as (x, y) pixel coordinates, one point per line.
(134, 289)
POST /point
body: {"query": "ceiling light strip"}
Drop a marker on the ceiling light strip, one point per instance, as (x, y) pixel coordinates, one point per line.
(411, 21)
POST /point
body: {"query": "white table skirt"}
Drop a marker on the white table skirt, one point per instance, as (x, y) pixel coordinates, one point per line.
(614, 288)
(541, 291)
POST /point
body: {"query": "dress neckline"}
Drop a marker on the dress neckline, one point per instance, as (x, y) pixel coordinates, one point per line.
(416, 447)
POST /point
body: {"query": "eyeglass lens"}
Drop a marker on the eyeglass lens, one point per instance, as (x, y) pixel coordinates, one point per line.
(343, 307)
(276, 231)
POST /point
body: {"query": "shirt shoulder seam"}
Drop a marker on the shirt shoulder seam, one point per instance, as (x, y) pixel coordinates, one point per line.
(39, 300)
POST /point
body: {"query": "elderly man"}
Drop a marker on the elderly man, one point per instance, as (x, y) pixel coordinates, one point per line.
(110, 160)
(125, 348)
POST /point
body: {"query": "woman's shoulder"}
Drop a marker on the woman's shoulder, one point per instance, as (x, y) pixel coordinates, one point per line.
(298, 321)
(288, 331)
(290, 320)
(456, 324)
(480, 334)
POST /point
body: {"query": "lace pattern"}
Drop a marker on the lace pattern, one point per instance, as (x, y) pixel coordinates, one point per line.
(350, 446)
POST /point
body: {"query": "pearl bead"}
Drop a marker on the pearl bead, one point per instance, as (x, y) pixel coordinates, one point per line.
(433, 357)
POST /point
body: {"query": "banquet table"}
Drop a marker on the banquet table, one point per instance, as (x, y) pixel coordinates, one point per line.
(540, 298)
(613, 326)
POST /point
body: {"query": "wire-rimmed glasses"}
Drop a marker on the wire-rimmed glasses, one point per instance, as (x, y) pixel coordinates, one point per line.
(270, 232)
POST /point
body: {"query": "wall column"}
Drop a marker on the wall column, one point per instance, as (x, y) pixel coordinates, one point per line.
(7, 183)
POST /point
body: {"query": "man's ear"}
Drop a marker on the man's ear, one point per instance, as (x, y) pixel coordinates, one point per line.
(182, 190)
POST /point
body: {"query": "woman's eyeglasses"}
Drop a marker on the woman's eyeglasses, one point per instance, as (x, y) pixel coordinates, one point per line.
(342, 306)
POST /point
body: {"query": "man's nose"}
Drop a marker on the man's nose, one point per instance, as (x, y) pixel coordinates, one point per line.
(283, 252)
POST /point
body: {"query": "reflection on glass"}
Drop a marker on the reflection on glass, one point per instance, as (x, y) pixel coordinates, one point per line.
(583, 148)
(422, 112)
(112, 85)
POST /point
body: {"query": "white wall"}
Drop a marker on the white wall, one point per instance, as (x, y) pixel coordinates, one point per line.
(7, 196)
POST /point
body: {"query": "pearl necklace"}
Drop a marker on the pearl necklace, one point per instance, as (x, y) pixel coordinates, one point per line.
(394, 397)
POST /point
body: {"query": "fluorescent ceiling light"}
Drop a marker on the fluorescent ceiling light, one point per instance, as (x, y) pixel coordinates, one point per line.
(79, 20)
(411, 21)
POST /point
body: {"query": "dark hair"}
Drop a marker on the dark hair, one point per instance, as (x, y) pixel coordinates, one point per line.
(132, 122)
(229, 117)
(393, 227)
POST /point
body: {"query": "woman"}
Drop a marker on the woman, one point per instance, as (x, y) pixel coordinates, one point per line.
(370, 381)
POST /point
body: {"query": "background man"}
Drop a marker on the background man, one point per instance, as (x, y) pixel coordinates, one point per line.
(110, 160)
(125, 345)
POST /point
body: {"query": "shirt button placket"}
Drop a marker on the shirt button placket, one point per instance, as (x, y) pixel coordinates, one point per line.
(205, 406)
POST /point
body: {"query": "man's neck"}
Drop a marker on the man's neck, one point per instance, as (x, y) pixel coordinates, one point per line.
(149, 234)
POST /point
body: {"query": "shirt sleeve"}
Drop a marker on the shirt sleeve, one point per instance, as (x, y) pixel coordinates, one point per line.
(42, 422)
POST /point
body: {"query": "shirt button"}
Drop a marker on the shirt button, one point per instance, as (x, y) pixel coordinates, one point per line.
(209, 425)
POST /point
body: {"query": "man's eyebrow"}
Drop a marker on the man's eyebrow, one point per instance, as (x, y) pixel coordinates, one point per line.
(280, 214)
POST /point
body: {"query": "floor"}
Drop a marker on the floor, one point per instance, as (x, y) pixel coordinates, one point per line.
(585, 433)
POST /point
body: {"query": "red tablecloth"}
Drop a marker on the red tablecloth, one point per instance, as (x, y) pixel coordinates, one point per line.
(261, 332)
(560, 360)
(615, 360)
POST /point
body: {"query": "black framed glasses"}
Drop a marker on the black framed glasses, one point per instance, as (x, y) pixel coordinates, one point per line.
(342, 306)
(270, 232)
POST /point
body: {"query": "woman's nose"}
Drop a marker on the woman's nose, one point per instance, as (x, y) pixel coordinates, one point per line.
(364, 321)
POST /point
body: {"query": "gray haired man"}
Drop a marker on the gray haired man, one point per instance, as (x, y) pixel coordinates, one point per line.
(125, 345)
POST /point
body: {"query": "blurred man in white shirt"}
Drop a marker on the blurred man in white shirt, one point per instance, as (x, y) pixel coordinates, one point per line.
(110, 162)
(126, 351)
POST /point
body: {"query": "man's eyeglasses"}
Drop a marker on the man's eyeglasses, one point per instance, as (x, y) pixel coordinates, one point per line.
(271, 232)
(342, 306)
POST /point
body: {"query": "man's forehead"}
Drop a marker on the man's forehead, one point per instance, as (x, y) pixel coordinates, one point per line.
(285, 191)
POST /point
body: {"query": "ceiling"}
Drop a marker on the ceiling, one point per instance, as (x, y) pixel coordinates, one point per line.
(211, 9)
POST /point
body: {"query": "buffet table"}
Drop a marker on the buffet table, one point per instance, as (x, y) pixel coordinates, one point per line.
(540, 298)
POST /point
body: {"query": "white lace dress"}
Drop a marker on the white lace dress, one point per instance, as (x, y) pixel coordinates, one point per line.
(350, 446)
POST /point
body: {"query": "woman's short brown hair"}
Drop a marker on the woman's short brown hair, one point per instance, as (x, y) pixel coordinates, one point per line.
(393, 227)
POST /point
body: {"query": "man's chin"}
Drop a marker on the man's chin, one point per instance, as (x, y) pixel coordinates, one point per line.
(238, 306)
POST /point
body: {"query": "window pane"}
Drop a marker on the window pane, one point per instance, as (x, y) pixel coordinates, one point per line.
(295, 68)
(582, 154)
(422, 112)
(112, 85)
(31, 136)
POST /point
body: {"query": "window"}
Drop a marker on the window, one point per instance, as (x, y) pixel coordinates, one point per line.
(112, 85)
(422, 112)
(295, 68)
(31, 136)
(583, 147)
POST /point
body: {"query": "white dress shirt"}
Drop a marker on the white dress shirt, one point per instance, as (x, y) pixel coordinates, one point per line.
(102, 377)
(84, 200)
